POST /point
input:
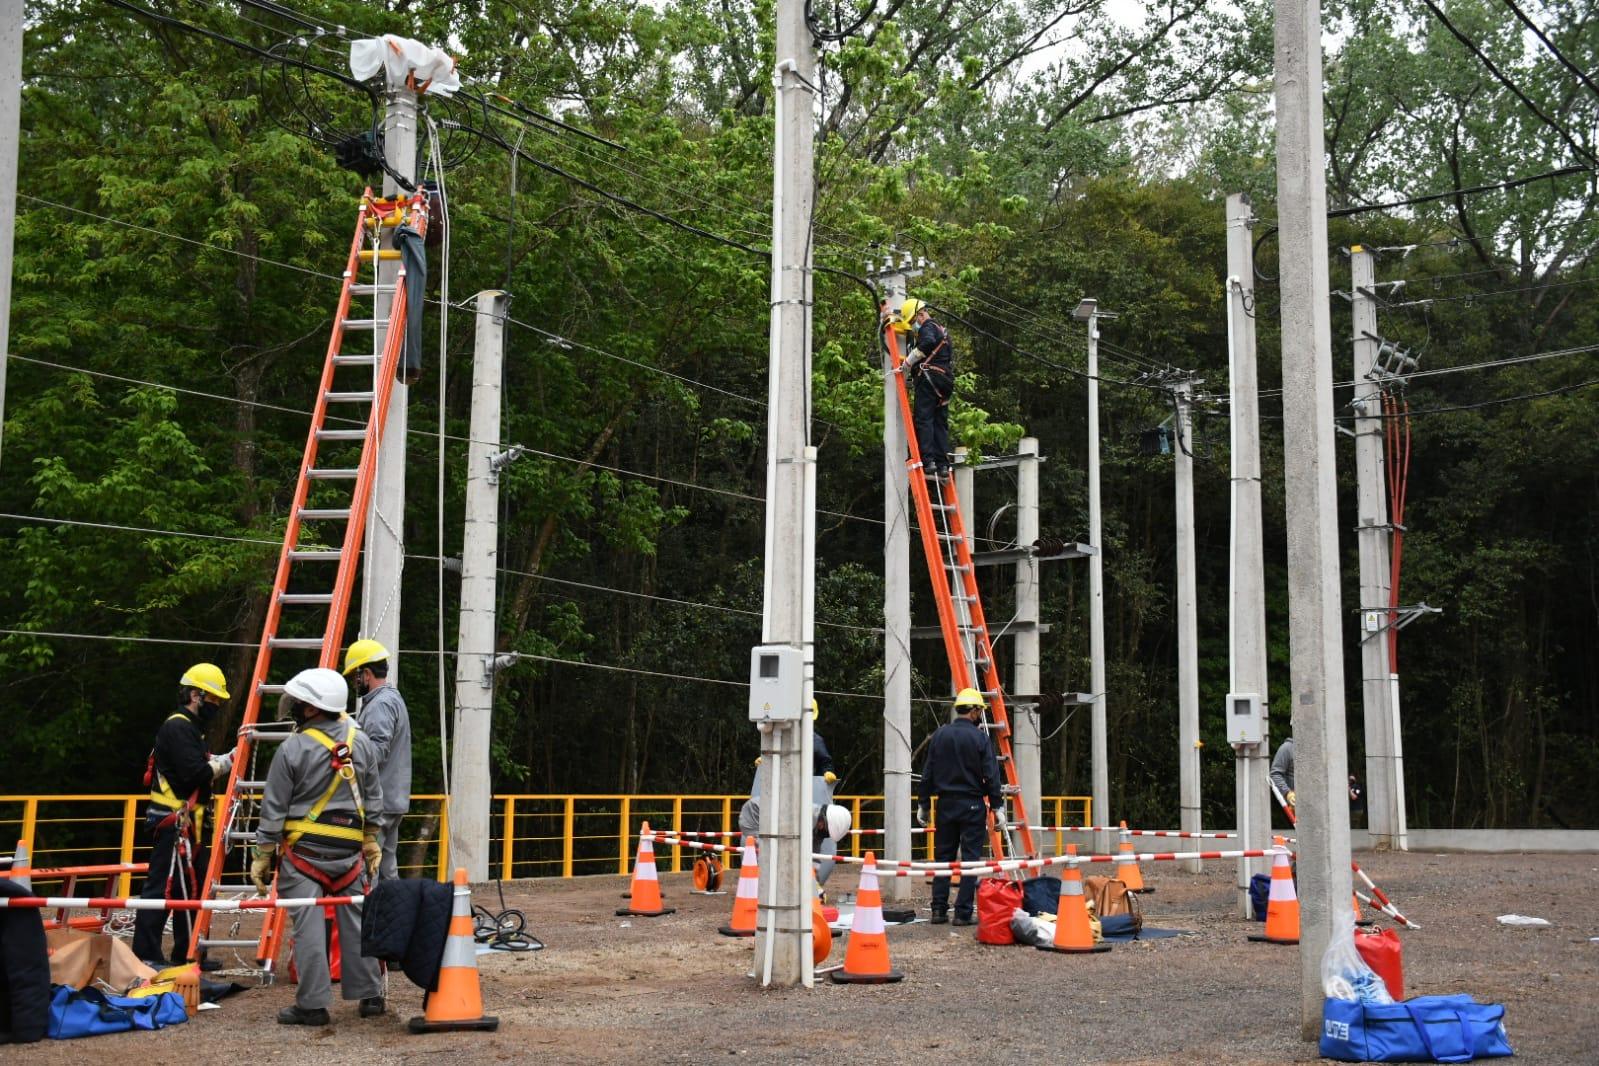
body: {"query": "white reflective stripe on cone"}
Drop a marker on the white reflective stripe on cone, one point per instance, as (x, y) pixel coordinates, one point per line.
(868, 920)
(459, 952)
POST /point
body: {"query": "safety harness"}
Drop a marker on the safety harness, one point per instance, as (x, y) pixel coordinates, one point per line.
(926, 363)
(342, 759)
(186, 815)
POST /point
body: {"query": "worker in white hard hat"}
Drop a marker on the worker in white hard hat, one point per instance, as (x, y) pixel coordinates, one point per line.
(387, 724)
(961, 770)
(931, 366)
(824, 840)
(180, 774)
(313, 829)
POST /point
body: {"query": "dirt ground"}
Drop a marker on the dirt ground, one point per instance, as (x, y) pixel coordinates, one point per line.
(641, 990)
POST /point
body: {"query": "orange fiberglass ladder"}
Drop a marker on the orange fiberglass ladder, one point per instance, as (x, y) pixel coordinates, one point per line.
(960, 615)
(302, 582)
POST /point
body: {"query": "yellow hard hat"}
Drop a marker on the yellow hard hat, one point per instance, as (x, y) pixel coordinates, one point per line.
(361, 653)
(909, 309)
(969, 697)
(815, 710)
(207, 678)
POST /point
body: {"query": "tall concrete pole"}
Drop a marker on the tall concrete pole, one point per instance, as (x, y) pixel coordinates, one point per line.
(1246, 588)
(1316, 680)
(10, 137)
(966, 502)
(783, 943)
(896, 618)
(385, 530)
(475, 663)
(1024, 678)
(1384, 796)
(1099, 748)
(1187, 629)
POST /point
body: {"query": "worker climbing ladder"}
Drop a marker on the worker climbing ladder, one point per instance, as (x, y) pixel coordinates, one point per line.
(302, 588)
(960, 614)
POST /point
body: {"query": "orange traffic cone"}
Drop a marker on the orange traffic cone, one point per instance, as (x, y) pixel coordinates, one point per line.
(646, 894)
(20, 866)
(821, 932)
(1282, 906)
(1127, 871)
(458, 1003)
(746, 903)
(1073, 934)
(866, 950)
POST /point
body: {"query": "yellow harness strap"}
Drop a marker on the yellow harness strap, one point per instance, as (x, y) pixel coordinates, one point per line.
(299, 827)
(162, 794)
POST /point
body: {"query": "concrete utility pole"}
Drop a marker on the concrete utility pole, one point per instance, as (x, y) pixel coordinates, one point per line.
(476, 664)
(783, 946)
(896, 610)
(1385, 798)
(1088, 311)
(10, 136)
(966, 503)
(1246, 588)
(1187, 626)
(1025, 745)
(1316, 680)
(385, 528)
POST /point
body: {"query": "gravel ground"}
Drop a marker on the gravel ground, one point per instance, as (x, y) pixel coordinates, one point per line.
(614, 990)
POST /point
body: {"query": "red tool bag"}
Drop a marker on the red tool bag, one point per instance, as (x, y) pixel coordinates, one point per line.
(1384, 953)
(997, 900)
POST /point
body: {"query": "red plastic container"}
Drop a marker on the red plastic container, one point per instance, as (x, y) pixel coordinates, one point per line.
(1384, 953)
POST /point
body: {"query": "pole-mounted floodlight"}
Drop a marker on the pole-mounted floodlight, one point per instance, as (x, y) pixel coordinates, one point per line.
(1085, 309)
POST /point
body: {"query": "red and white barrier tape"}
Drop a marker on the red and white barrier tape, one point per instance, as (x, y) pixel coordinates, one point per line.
(134, 903)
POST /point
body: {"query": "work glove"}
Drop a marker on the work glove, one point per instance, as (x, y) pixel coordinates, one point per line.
(261, 869)
(371, 852)
(921, 817)
(221, 764)
(1291, 798)
(830, 777)
(910, 364)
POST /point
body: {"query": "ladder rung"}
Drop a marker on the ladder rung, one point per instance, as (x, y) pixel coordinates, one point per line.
(369, 290)
(243, 836)
(349, 397)
(315, 555)
(306, 643)
(341, 434)
(250, 786)
(360, 323)
(206, 942)
(962, 567)
(270, 690)
(333, 473)
(306, 598)
(354, 360)
(324, 514)
(383, 253)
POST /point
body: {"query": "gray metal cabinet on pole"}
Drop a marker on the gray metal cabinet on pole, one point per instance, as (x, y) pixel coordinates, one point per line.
(783, 942)
(475, 663)
(1384, 798)
(1316, 680)
(1246, 587)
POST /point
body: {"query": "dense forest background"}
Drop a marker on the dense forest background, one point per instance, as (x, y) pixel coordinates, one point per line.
(181, 218)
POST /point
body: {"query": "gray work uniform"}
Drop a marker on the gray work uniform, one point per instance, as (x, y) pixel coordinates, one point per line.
(385, 721)
(749, 821)
(301, 771)
(1282, 768)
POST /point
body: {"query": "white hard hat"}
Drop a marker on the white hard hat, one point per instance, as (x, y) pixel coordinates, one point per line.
(321, 688)
(838, 821)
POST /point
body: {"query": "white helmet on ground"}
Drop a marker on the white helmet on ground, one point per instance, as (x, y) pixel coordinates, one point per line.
(321, 688)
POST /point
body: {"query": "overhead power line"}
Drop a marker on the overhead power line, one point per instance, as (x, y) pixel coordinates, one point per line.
(1509, 183)
(1554, 51)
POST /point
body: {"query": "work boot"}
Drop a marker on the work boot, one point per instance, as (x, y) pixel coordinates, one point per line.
(963, 920)
(940, 918)
(303, 1016)
(372, 1006)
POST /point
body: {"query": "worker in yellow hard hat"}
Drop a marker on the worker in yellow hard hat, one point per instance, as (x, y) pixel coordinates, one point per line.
(386, 722)
(180, 773)
(931, 366)
(962, 770)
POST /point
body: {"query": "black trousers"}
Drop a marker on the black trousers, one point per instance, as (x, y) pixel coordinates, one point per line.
(962, 823)
(931, 416)
(148, 925)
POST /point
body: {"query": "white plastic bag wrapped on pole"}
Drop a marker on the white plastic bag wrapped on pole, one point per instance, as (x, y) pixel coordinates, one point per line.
(405, 63)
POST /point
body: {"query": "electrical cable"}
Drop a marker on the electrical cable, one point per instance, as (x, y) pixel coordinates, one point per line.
(504, 930)
(443, 403)
(1040, 359)
(839, 32)
(1509, 183)
(1554, 51)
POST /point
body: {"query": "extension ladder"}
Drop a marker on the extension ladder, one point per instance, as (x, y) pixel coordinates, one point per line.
(960, 616)
(301, 581)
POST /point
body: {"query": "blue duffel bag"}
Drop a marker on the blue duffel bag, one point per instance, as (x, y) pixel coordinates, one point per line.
(1425, 1029)
(91, 1012)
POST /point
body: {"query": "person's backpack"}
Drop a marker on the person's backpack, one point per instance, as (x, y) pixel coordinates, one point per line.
(1112, 897)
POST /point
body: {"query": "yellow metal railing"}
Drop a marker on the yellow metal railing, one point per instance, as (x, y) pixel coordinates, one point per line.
(533, 835)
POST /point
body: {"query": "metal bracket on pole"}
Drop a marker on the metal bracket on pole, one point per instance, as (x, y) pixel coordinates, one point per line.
(500, 460)
(493, 664)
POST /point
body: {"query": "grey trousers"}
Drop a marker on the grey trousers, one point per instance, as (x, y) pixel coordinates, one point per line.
(359, 978)
(389, 868)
